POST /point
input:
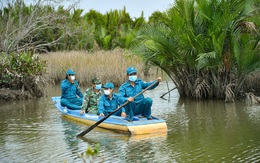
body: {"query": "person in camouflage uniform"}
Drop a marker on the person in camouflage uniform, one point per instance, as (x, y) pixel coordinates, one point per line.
(91, 97)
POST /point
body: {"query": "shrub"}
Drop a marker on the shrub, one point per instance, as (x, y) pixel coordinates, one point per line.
(23, 71)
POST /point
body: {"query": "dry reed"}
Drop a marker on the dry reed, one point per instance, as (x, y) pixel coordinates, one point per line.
(107, 65)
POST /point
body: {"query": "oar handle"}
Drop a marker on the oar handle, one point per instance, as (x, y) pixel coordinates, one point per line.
(100, 121)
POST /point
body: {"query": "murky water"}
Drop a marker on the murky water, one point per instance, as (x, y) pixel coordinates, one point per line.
(205, 131)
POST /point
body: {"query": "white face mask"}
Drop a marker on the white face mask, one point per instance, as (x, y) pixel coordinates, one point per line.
(98, 86)
(72, 77)
(107, 92)
(132, 78)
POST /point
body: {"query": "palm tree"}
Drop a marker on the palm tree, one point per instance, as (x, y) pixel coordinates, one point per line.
(204, 46)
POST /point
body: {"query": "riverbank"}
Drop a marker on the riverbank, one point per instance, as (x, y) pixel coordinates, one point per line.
(8, 94)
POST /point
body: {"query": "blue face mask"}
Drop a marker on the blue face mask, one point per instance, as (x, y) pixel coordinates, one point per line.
(132, 78)
(98, 86)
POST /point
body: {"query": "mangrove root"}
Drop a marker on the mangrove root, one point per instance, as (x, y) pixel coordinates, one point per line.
(252, 99)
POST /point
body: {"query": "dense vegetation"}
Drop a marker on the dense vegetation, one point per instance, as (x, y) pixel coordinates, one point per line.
(107, 65)
(24, 72)
(43, 28)
(210, 49)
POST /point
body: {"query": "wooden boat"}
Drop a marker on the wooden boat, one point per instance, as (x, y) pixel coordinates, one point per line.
(140, 125)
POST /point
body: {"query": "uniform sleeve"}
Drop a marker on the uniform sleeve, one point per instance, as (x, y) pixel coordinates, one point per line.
(120, 102)
(63, 86)
(147, 84)
(122, 95)
(85, 100)
(101, 104)
(123, 109)
(78, 91)
(121, 91)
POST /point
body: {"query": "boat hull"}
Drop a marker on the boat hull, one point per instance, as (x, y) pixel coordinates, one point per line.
(139, 126)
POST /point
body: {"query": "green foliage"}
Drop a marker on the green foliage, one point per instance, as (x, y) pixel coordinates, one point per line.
(157, 17)
(118, 31)
(90, 154)
(94, 17)
(103, 38)
(200, 43)
(43, 28)
(26, 63)
(204, 46)
(17, 66)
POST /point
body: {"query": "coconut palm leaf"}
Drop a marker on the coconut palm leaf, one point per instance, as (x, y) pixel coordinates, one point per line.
(206, 40)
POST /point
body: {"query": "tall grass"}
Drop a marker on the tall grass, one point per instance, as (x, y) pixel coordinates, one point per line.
(107, 65)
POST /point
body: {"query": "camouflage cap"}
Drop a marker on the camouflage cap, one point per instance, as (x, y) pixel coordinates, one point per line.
(96, 81)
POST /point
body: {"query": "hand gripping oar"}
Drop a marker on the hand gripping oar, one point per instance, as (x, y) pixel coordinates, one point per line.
(100, 121)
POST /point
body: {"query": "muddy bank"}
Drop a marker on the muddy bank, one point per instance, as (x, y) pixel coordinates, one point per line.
(23, 87)
(9, 95)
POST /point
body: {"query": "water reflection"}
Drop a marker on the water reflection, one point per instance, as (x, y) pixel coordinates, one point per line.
(253, 113)
(211, 130)
(70, 130)
(117, 147)
(198, 131)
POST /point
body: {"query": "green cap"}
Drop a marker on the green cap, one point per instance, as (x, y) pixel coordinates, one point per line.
(96, 81)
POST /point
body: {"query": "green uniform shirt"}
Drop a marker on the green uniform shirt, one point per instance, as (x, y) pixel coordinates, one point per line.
(90, 100)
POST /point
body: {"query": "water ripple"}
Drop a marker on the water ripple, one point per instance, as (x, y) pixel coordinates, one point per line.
(205, 131)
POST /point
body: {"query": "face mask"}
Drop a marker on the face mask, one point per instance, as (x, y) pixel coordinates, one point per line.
(98, 86)
(132, 78)
(107, 92)
(72, 77)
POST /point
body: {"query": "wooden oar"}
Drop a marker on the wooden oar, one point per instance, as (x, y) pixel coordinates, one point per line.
(100, 121)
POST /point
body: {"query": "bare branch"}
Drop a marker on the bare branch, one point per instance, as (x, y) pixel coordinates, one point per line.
(21, 30)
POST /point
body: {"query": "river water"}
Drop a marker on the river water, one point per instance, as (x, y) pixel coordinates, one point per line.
(198, 131)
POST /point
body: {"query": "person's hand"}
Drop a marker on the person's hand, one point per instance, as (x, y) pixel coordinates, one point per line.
(82, 111)
(123, 114)
(159, 79)
(130, 99)
(101, 115)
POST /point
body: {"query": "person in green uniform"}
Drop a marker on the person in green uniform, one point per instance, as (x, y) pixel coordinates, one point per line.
(91, 97)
